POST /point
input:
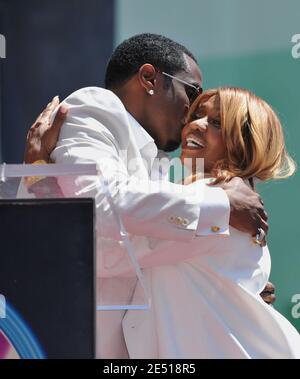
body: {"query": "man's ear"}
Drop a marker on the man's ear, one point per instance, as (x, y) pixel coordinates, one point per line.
(147, 77)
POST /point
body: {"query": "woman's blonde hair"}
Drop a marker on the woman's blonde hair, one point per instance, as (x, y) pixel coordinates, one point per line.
(252, 135)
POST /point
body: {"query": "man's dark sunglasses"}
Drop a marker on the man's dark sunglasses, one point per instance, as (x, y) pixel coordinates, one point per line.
(194, 91)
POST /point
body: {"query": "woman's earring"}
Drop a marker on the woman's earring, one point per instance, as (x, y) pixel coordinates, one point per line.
(151, 92)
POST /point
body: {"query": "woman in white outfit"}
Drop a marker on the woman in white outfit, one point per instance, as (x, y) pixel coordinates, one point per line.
(209, 305)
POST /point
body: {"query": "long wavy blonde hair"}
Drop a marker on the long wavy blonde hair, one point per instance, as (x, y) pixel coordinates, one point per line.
(253, 137)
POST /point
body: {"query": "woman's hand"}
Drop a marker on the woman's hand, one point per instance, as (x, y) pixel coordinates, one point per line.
(268, 294)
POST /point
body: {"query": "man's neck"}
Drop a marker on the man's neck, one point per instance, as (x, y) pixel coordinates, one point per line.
(131, 104)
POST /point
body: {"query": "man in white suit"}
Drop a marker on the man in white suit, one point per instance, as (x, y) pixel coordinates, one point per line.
(151, 82)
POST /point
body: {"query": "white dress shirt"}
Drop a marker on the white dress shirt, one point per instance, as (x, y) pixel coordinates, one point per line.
(208, 305)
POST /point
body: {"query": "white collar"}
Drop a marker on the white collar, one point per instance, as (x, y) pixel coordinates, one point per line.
(142, 137)
(146, 146)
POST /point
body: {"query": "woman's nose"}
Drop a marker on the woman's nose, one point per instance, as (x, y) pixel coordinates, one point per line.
(199, 124)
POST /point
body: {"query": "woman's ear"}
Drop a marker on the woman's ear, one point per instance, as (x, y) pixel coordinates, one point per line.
(147, 78)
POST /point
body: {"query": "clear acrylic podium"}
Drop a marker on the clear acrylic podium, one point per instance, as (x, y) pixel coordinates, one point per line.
(118, 274)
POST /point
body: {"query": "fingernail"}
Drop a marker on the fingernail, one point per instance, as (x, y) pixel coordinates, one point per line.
(55, 97)
(63, 109)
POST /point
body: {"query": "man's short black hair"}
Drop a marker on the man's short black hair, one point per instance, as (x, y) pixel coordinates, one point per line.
(130, 55)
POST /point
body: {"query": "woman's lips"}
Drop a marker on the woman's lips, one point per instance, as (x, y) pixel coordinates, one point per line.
(193, 142)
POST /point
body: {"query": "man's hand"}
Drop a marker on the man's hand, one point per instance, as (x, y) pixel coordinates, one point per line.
(42, 137)
(268, 294)
(247, 212)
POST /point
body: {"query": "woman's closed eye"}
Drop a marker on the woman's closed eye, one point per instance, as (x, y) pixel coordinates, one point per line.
(216, 123)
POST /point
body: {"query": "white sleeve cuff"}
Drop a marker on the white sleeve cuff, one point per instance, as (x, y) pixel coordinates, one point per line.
(214, 213)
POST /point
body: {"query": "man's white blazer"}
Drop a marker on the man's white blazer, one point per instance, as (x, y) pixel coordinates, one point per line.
(98, 130)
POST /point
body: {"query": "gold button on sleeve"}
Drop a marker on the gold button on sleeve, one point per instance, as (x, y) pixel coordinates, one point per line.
(178, 220)
(171, 219)
(185, 222)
